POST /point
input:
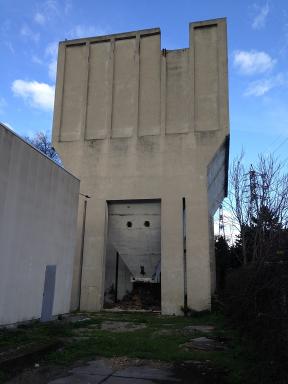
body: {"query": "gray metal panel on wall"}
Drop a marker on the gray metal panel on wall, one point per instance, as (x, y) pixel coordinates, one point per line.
(48, 293)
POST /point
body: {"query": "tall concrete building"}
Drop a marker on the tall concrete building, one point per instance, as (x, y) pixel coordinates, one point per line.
(146, 131)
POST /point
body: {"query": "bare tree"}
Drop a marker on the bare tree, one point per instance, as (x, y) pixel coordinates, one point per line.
(238, 202)
(42, 142)
(256, 295)
(258, 203)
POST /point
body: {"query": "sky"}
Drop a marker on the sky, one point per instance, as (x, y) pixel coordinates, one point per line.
(257, 56)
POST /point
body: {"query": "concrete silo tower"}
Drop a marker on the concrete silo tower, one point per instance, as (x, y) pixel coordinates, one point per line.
(146, 131)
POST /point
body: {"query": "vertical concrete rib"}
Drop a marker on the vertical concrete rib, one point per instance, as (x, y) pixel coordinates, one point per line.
(223, 76)
(163, 94)
(191, 78)
(198, 256)
(137, 83)
(58, 105)
(206, 76)
(110, 85)
(85, 90)
(172, 270)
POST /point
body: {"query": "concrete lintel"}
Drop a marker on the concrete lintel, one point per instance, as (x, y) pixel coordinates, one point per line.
(204, 23)
(124, 35)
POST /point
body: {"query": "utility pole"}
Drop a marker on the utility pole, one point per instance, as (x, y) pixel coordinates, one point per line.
(221, 222)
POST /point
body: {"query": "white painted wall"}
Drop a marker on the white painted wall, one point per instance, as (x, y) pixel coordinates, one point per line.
(38, 214)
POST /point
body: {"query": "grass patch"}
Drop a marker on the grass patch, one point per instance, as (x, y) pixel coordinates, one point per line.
(83, 340)
(35, 333)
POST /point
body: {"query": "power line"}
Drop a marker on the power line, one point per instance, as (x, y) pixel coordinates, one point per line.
(271, 145)
(280, 145)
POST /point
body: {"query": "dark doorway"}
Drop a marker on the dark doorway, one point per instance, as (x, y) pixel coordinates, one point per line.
(133, 255)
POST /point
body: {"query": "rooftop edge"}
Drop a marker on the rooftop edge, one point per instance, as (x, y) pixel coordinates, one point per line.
(36, 149)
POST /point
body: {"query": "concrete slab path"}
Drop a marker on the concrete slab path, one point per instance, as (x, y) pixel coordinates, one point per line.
(123, 371)
(102, 371)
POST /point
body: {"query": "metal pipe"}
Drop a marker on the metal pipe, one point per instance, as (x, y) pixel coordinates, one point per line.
(116, 277)
(82, 253)
(184, 255)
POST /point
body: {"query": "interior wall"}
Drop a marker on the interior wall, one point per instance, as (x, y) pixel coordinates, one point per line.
(134, 232)
(124, 284)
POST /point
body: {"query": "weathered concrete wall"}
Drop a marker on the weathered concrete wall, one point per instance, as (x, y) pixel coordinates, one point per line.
(38, 214)
(135, 232)
(134, 122)
(124, 283)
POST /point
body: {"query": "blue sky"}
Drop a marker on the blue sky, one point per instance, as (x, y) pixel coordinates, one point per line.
(257, 43)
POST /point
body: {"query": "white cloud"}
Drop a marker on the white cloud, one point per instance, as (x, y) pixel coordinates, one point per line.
(259, 20)
(52, 49)
(51, 6)
(5, 33)
(38, 95)
(49, 59)
(67, 7)
(29, 34)
(9, 46)
(47, 11)
(52, 69)
(39, 18)
(261, 87)
(2, 105)
(36, 59)
(5, 27)
(80, 31)
(253, 62)
(51, 52)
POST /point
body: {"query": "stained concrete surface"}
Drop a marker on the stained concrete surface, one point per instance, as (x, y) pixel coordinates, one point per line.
(124, 371)
(205, 344)
(121, 326)
(199, 328)
(101, 371)
(146, 124)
